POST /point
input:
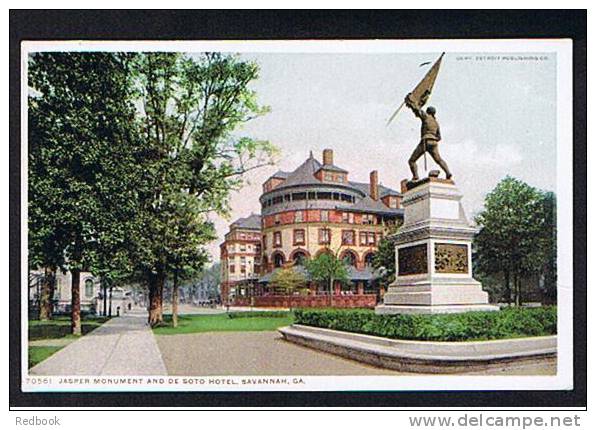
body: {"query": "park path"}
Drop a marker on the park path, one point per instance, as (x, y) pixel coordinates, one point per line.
(122, 346)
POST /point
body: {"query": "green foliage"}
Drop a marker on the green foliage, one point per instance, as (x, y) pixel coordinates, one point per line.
(385, 258)
(517, 238)
(259, 314)
(59, 327)
(191, 106)
(326, 269)
(288, 280)
(83, 158)
(507, 323)
(129, 154)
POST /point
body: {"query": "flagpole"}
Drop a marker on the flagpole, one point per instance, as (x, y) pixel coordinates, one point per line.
(395, 113)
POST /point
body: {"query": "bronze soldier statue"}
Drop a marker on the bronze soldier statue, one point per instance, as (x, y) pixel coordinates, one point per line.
(430, 134)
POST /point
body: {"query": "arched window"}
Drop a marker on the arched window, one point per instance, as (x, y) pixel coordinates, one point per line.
(278, 260)
(350, 258)
(368, 259)
(89, 288)
(299, 258)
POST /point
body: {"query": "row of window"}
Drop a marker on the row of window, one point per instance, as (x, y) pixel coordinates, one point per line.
(366, 238)
(346, 218)
(244, 248)
(89, 289)
(310, 195)
(243, 267)
(349, 257)
(348, 237)
(334, 177)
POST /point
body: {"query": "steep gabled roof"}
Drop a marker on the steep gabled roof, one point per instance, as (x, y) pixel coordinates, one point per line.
(333, 168)
(251, 222)
(383, 190)
(280, 174)
(367, 204)
(304, 174)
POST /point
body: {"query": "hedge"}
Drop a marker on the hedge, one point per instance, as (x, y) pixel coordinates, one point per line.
(507, 323)
(259, 314)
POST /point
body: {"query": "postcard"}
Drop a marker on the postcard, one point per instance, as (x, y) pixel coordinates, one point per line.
(305, 215)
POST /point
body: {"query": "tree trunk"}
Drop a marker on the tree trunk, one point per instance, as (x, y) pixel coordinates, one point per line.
(516, 290)
(47, 294)
(175, 300)
(156, 283)
(105, 298)
(110, 305)
(508, 287)
(75, 304)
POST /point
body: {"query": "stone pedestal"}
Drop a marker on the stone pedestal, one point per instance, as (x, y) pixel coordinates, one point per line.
(434, 254)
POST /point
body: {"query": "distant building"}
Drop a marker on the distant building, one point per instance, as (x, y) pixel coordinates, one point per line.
(90, 288)
(91, 292)
(240, 255)
(314, 209)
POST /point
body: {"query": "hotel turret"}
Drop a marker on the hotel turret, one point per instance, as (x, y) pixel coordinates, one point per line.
(316, 209)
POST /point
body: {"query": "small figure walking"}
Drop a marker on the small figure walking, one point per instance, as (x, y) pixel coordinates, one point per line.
(430, 136)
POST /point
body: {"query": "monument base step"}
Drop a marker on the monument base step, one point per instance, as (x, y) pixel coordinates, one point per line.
(436, 309)
(436, 295)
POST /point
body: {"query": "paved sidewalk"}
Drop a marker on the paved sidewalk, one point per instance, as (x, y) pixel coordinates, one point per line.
(252, 353)
(122, 346)
(266, 353)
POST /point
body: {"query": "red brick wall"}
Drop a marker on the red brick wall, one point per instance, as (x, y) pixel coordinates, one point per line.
(312, 215)
(353, 301)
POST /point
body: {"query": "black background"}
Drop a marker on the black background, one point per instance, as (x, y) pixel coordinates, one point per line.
(304, 24)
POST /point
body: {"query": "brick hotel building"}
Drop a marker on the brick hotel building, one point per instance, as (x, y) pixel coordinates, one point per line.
(312, 210)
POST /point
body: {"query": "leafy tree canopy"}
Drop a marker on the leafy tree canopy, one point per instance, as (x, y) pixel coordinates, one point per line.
(288, 280)
(327, 268)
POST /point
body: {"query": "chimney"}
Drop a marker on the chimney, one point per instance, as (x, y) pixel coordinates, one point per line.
(374, 185)
(327, 156)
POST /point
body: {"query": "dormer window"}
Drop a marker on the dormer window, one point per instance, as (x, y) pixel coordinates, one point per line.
(333, 177)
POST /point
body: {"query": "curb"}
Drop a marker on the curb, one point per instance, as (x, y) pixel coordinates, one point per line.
(423, 356)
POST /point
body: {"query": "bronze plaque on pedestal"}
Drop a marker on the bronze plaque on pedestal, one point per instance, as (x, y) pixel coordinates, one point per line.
(451, 258)
(412, 260)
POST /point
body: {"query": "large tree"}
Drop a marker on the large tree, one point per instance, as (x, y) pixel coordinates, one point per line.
(83, 163)
(185, 234)
(190, 107)
(516, 235)
(288, 280)
(384, 258)
(549, 275)
(327, 269)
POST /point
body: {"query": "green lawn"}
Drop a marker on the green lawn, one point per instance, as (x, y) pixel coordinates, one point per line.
(222, 322)
(59, 327)
(56, 328)
(37, 354)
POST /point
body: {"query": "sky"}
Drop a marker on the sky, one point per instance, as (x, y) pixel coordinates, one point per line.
(497, 114)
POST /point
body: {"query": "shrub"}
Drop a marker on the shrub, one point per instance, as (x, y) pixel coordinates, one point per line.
(507, 323)
(259, 314)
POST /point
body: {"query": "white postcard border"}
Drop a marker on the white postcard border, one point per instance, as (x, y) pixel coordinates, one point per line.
(563, 380)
